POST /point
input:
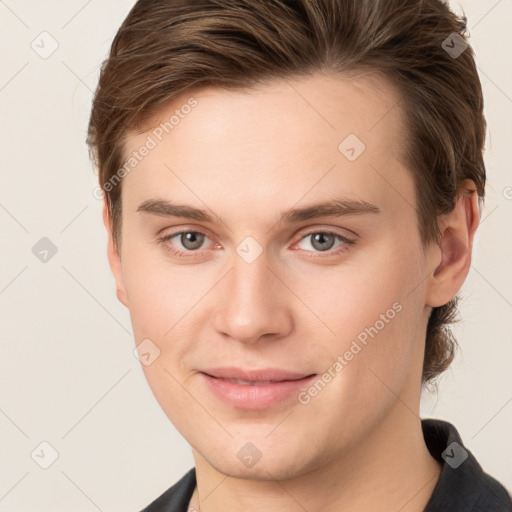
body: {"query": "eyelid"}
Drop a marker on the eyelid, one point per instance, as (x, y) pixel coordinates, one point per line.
(349, 239)
(188, 228)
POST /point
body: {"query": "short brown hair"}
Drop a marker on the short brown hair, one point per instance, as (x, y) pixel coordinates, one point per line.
(165, 48)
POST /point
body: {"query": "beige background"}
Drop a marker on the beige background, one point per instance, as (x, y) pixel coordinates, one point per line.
(68, 376)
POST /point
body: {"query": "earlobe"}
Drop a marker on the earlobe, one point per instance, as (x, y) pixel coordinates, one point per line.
(114, 258)
(457, 233)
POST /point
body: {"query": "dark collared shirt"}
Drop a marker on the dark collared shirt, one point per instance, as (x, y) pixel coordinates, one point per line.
(462, 486)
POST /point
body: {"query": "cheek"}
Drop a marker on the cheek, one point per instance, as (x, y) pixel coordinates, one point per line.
(373, 310)
(160, 294)
(372, 353)
(351, 297)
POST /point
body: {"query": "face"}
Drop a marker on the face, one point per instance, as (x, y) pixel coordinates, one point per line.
(271, 257)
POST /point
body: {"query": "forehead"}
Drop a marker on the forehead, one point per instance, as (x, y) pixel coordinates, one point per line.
(312, 135)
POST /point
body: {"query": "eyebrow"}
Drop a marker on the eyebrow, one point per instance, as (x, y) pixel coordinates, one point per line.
(332, 208)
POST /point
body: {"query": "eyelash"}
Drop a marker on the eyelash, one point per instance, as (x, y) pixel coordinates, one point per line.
(316, 254)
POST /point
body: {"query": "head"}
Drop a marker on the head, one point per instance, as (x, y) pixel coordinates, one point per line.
(254, 112)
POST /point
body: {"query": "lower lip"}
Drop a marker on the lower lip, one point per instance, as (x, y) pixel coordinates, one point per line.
(255, 397)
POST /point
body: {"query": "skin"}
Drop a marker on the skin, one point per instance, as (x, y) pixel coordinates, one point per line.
(247, 157)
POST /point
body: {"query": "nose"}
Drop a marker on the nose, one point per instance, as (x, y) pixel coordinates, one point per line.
(253, 303)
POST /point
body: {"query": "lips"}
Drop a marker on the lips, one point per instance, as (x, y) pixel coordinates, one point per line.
(262, 376)
(254, 389)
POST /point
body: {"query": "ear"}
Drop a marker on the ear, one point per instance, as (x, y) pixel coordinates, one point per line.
(451, 257)
(114, 258)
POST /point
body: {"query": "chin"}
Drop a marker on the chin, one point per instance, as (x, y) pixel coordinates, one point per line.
(262, 470)
(260, 460)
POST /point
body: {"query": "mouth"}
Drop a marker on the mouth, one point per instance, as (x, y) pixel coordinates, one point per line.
(254, 389)
(250, 383)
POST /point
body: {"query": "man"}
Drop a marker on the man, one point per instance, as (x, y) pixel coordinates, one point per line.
(291, 196)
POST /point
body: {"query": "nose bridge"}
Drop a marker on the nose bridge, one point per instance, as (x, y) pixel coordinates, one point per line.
(252, 304)
(250, 279)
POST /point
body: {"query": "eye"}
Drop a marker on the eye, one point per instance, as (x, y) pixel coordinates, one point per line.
(183, 243)
(324, 241)
(189, 243)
